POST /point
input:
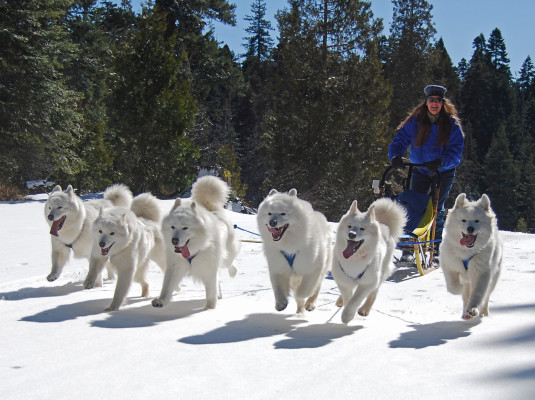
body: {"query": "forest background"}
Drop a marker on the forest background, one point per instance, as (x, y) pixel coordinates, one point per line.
(93, 93)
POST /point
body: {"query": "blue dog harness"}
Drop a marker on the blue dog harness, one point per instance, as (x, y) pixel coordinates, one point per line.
(289, 257)
(465, 262)
(359, 275)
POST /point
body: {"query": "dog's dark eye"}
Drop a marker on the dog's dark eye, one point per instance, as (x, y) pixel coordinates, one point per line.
(349, 226)
(476, 221)
(269, 214)
(283, 214)
(100, 231)
(172, 227)
(112, 233)
(362, 229)
(60, 207)
(463, 220)
(185, 228)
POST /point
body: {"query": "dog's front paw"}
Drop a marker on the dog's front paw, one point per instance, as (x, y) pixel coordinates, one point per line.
(471, 313)
(112, 308)
(310, 305)
(89, 284)
(158, 303)
(363, 311)
(52, 277)
(347, 315)
(281, 305)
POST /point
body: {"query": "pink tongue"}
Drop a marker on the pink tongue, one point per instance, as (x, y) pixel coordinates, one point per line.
(185, 252)
(466, 240)
(54, 227)
(350, 249)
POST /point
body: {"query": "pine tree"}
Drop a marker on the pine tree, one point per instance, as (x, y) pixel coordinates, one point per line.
(151, 109)
(443, 72)
(39, 115)
(259, 43)
(257, 66)
(326, 135)
(502, 181)
(410, 49)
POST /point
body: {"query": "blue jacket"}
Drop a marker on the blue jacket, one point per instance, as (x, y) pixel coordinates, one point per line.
(450, 154)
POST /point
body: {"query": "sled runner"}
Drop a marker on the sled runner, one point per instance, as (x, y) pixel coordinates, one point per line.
(417, 242)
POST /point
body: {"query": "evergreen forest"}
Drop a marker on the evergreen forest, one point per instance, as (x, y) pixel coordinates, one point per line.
(93, 93)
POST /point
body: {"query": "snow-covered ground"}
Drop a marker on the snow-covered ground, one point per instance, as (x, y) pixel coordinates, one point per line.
(57, 342)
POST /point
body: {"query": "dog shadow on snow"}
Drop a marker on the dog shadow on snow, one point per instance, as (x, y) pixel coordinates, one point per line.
(255, 326)
(41, 292)
(435, 334)
(135, 317)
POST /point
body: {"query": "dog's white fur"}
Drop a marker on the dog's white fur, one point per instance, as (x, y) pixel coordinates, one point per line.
(289, 225)
(70, 220)
(199, 240)
(471, 235)
(130, 238)
(363, 253)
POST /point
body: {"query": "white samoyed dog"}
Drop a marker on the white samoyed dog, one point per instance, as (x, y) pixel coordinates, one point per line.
(363, 253)
(297, 242)
(199, 240)
(130, 238)
(70, 221)
(471, 253)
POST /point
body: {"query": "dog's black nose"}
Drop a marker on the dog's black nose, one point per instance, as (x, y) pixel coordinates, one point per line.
(174, 241)
(102, 244)
(273, 222)
(470, 230)
(351, 235)
(50, 217)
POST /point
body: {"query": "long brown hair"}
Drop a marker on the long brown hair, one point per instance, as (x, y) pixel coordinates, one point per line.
(447, 111)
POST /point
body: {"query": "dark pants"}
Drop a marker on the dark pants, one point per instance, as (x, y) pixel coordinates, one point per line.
(421, 182)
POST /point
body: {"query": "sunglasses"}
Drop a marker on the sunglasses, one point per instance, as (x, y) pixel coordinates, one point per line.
(434, 100)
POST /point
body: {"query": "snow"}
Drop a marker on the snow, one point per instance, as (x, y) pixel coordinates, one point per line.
(57, 342)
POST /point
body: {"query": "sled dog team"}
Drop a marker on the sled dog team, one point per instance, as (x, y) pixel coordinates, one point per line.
(196, 238)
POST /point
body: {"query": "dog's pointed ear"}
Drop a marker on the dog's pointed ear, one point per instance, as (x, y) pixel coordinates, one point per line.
(57, 189)
(69, 190)
(177, 203)
(484, 202)
(370, 214)
(272, 192)
(193, 206)
(293, 192)
(460, 200)
(354, 208)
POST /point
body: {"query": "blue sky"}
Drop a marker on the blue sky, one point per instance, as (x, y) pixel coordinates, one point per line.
(458, 22)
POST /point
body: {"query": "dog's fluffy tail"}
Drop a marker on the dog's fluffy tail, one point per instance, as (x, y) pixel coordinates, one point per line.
(119, 195)
(145, 205)
(391, 214)
(211, 192)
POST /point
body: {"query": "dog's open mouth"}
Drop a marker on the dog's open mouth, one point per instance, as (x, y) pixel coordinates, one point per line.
(184, 250)
(57, 225)
(105, 250)
(352, 248)
(468, 240)
(276, 233)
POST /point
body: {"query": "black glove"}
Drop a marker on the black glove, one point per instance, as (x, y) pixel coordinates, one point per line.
(433, 166)
(397, 163)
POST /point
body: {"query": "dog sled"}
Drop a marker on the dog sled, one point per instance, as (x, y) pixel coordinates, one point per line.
(418, 241)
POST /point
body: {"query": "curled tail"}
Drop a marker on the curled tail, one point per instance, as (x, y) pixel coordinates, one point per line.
(211, 192)
(119, 195)
(145, 205)
(391, 214)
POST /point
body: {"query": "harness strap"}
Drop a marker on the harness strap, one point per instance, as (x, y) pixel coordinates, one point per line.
(289, 257)
(191, 258)
(359, 275)
(465, 262)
